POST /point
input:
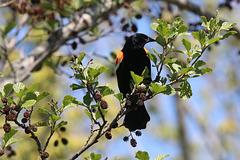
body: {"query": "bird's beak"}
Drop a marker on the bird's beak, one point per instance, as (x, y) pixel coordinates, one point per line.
(150, 39)
(119, 57)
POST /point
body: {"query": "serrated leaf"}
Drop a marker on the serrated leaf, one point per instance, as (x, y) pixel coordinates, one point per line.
(206, 70)
(199, 63)
(229, 33)
(154, 26)
(161, 157)
(157, 87)
(213, 40)
(174, 67)
(19, 89)
(98, 114)
(80, 58)
(136, 78)
(59, 125)
(30, 96)
(145, 73)
(186, 44)
(8, 136)
(28, 103)
(227, 25)
(42, 95)
(40, 124)
(94, 156)
(88, 113)
(106, 90)
(75, 86)
(162, 29)
(152, 57)
(8, 88)
(119, 96)
(69, 102)
(160, 40)
(185, 91)
(142, 155)
(200, 36)
(53, 118)
(186, 70)
(169, 91)
(44, 111)
(95, 70)
(87, 99)
(205, 23)
(182, 29)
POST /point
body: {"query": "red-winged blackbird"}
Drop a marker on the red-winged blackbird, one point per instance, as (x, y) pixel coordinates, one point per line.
(133, 57)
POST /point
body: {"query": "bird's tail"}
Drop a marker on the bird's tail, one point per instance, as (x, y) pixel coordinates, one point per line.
(136, 118)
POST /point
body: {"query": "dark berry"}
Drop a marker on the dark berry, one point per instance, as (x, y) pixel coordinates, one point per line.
(104, 104)
(26, 114)
(56, 143)
(22, 10)
(125, 139)
(81, 40)
(35, 1)
(9, 148)
(4, 100)
(64, 141)
(63, 129)
(6, 109)
(11, 117)
(98, 96)
(134, 27)
(128, 102)
(138, 15)
(1, 152)
(27, 130)
(133, 142)
(123, 20)
(12, 153)
(31, 11)
(34, 128)
(6, 127)
(24, 120)
(74, 45)
(138, 133)
(13, 6)
(115, 125)
(143, 89)
(125, 27)
(143, 96)
(44, 155)
(108, 135)
(139, 102)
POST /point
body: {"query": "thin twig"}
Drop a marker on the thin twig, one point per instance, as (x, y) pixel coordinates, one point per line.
(7, 3)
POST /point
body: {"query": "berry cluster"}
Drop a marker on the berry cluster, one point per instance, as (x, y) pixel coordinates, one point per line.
(63, 140)
(137, 98)
(98, 97)
(133, 141)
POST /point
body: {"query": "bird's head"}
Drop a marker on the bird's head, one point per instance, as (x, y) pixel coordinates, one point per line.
(137, 40)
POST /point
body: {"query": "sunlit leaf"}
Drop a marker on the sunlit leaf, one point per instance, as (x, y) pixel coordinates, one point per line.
(185, 91)
(136, 78)
(142, 155)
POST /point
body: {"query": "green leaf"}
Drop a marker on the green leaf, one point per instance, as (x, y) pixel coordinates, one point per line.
(152, 57)
(9, 27)
(206, 70)
(88, 113)
(94, 156)
(7, 89)
(178, 21)
(106, 90)
(62, 123)
(1, 75)
(75, 86)
(162, 28)
(154, 26)
(182, 29)
(185, 91)
(87, 99)
(136, 78)
(29, 103)
(213, 40)
(8, 140)
(145, 73)
(201, 36)
(44, 111)
(80, 58)
(95, 70)
(42, 95)
(69, 102)
(172, 32)
(199, 63)
(157, 87)
(40, 124)
(227, 26)
(174, 67)
(205, 22)
(186, 70)
(186, 44)
(161, 157)
(169, 91)
(160, 40)
(19, 89)
(53, 118)
(142, 155)
(30, 96)
(119, 96)
(229, 33)
(31, 88)
(98, 114)
(46, 6)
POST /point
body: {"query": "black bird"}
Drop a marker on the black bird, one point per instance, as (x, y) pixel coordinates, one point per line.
(133, 57)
